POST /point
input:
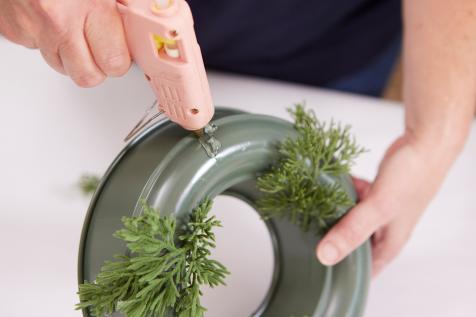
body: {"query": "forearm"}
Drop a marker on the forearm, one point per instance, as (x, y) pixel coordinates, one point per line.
(440, 98)
(439, 73)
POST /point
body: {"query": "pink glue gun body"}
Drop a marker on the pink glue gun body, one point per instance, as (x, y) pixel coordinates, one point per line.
(162, 41)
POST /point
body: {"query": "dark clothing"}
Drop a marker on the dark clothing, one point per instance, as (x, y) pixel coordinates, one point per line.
(316, 42)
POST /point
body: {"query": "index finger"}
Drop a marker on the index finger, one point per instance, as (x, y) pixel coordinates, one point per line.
(106, 39)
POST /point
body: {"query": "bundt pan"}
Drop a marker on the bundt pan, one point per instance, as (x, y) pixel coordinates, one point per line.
(167, 166)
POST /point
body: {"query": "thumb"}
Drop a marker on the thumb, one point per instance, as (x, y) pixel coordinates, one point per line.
(350, 232)
(367, 216)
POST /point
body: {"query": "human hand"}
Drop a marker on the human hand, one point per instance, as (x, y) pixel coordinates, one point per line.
(409, 176)
(82, 39)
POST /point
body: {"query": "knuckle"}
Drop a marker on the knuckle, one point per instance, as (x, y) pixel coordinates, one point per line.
(351, 234)
(87, 80)
(381, 210)
(53, 60)
(30, 44)
(67, 45)
(20, 39)
(11, 35)
(114, 63)
(46, 7)
(54, 16)
(21, 31)
(5, 30)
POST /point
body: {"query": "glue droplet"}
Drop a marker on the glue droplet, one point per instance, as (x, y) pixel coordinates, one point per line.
(209, 142)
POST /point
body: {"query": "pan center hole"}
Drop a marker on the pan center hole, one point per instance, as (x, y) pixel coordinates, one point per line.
(245, 247)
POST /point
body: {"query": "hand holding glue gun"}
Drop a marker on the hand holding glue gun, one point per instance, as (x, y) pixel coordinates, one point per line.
(162, 41)
(90, 40)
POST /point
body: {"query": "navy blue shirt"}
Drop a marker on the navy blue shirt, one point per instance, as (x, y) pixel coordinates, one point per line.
(313, 42)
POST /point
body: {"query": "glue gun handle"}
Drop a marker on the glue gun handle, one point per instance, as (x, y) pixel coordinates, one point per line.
(162, 41)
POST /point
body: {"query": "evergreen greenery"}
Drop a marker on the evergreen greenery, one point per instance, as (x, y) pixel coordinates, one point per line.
(88, 183)
(162, 273)
(295, 188)
(167, 266)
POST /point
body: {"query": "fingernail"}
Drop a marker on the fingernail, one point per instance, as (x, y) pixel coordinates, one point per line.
(328, 254)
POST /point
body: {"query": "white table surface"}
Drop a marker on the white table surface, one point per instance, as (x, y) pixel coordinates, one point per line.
(52, 132)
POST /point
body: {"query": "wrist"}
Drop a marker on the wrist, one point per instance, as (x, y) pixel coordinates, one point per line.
(450, 139)
(436, 147)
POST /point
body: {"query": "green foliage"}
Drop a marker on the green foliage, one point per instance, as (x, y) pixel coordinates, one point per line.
(161, 274)
(295, 188)
(88, 183)
(198, 238)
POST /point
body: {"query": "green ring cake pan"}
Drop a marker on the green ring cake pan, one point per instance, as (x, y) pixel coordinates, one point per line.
(168, 168)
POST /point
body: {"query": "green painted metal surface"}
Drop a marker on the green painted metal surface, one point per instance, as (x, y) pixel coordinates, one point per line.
(167, 167)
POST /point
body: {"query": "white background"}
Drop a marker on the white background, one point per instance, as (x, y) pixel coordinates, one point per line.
(52, 132)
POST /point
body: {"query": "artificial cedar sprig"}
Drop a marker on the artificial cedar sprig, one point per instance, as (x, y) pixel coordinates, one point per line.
(161, 274)
(295, 187)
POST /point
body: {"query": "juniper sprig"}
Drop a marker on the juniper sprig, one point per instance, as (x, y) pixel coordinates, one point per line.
(164, 271)
(198, 239)
(324, 147)
(294, 188)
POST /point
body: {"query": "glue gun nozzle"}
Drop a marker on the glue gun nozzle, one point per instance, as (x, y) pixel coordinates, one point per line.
(206, 137)
(199, 132)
